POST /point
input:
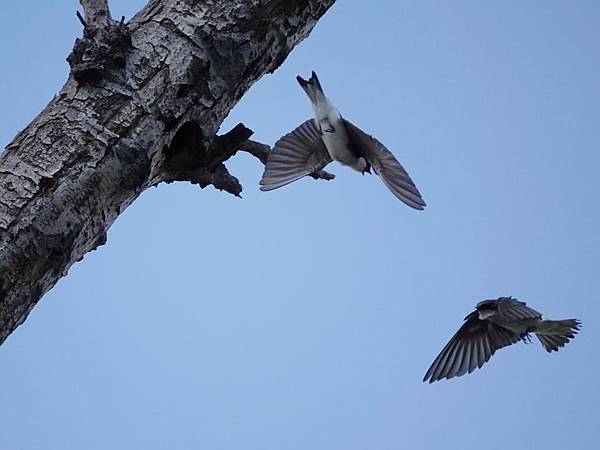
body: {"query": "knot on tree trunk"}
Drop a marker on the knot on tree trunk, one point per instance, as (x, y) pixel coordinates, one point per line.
(191, 157)
(102, 49)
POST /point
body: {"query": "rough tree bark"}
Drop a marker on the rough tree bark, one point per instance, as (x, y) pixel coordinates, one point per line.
(141, 106)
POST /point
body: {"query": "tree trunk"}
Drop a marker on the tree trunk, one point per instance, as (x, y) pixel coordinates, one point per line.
(141, 106)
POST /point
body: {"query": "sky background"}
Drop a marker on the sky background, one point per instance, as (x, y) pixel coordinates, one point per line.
(305, 318)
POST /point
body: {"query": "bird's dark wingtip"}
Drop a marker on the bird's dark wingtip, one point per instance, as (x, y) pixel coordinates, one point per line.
(417, 206)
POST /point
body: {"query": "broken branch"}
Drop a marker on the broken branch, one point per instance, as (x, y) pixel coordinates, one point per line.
(97, 14)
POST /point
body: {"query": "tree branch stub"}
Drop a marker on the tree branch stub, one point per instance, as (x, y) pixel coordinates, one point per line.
(103, 47)
(97, 13)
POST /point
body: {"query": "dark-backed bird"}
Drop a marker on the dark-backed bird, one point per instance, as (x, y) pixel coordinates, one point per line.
(328, 137)
(493, 325)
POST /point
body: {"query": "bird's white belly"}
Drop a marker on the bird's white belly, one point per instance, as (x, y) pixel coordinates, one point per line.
(337, 146)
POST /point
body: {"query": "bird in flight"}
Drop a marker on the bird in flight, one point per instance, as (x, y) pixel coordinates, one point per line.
(317, 142)
(493, 325)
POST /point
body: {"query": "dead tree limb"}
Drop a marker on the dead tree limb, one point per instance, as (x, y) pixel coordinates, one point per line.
(141, 106)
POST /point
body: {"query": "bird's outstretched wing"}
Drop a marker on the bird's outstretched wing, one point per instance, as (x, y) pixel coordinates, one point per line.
(512, 309)
(386, 166)
(471, 347)
(295, 155)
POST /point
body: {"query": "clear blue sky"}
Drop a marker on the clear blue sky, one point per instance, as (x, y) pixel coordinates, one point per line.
(305, 318)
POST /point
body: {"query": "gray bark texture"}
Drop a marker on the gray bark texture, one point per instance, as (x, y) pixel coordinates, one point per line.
(141, 106)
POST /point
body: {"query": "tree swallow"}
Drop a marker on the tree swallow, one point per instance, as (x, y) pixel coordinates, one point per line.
(317, 142)
(495, 324)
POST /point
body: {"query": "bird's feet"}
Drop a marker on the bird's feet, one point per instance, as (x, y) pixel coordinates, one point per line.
(526, 337)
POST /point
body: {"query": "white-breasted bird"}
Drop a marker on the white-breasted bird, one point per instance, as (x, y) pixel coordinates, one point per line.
(493, 325)
(317, 142)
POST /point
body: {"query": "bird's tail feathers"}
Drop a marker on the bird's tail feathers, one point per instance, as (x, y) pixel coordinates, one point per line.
(554, 334)
(312, 87)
